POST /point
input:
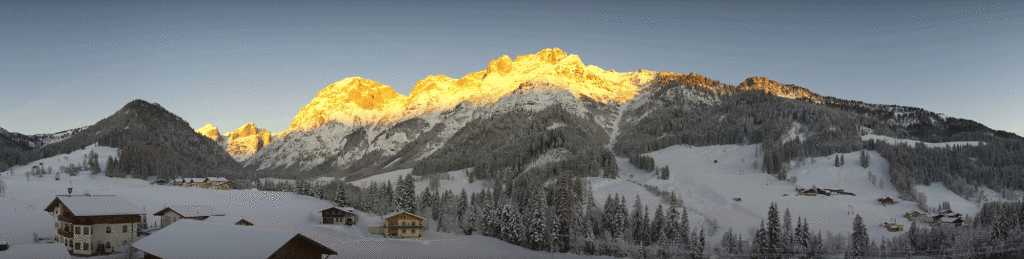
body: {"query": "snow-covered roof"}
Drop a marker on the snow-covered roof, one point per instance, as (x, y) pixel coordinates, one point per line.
(225, 220)
(96, 205)
(400, 212)
(217, 179)
(951, 219)
(197, 239)
(54, 250)
(190, 211)
(345, 209)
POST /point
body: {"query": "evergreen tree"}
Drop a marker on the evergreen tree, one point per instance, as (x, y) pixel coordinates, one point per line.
(865, 160)
(637, 221)
(773, 231)
(672, 223)
(463, 204)
(698, 246)
(341, 197)
(760, 242)
(657, 225)
(684, 227)
(859, 239)
(787, 232)
(837, 160)
(842, 160)
(468, 223)
(535, 226)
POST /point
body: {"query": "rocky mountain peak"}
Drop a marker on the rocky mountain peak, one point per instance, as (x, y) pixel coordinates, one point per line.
(209, 131)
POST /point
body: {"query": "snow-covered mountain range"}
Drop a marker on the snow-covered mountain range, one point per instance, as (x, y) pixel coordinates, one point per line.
(357, 127)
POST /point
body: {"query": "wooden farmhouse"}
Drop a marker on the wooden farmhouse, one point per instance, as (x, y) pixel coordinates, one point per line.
(886, 201)
(219, 183)
(892, 227)
(400, 224)
(950, 221)
(172, 214)
(94, 224)
(335, 215)
(228, 220)
(913, 215)
(200, 239)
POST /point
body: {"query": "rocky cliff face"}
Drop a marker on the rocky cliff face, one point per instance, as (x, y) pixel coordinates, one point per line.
(241, 143)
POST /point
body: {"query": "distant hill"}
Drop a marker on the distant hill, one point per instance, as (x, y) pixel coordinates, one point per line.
(151, 141)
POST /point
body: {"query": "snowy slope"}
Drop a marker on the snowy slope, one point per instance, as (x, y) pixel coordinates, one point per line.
(912, 143)
(708, 187)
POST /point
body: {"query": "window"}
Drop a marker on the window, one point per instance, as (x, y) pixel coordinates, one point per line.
(56, 225)
(108, 245)
(85, 230)
(78, 246)
(85, 246)
(108, 229)
(414, 231)
(124, 228)
(78, 230)
(403, 231)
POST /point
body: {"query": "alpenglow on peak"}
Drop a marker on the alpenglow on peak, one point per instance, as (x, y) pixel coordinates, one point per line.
(361, 101)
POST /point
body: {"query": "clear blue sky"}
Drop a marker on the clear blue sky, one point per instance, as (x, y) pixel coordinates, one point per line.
(69, 64)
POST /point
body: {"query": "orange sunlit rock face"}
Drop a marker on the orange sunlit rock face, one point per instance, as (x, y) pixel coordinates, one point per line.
(209, 131)
(364, 102)
(247, 140)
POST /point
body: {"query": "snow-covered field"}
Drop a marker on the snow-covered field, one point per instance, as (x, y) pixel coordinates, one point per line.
(912, 143)
(21, 215)
(708, 178)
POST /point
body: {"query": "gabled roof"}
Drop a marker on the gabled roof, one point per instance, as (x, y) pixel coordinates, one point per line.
(190, 211)
(95, 205)
(400, 212)
(217, 179)
(951, 220)
(226, 220)
(197, 239)
(345, 209)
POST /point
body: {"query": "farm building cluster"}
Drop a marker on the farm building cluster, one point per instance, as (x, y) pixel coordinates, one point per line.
(217, 183)
(821, 191)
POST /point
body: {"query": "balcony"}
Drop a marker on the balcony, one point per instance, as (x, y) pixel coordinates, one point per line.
(65, 233)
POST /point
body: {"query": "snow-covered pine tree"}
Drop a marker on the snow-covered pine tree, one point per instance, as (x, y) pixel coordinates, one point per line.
(341, 196)
(637, 221)
(837, 160)
(645, 236)
(865, 160)
(761, 242)
(698, 245)
(468, 223)
(773, 231)
(463, 204)
(535, 226)
(842, 160)
(684, 228)
(787, 232)
(672, 222)
(859, 239)
(657, 225)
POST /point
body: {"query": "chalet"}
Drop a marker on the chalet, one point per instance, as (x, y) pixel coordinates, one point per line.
(219, 183)
(228, 220)
(892, 226)
(199, 239)
(913, 215)
(160, 182)
(335, 215)
(886, 201)
(96, 224)
(950, 221)
(400, 224)
(172, 214)
(192, 182)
